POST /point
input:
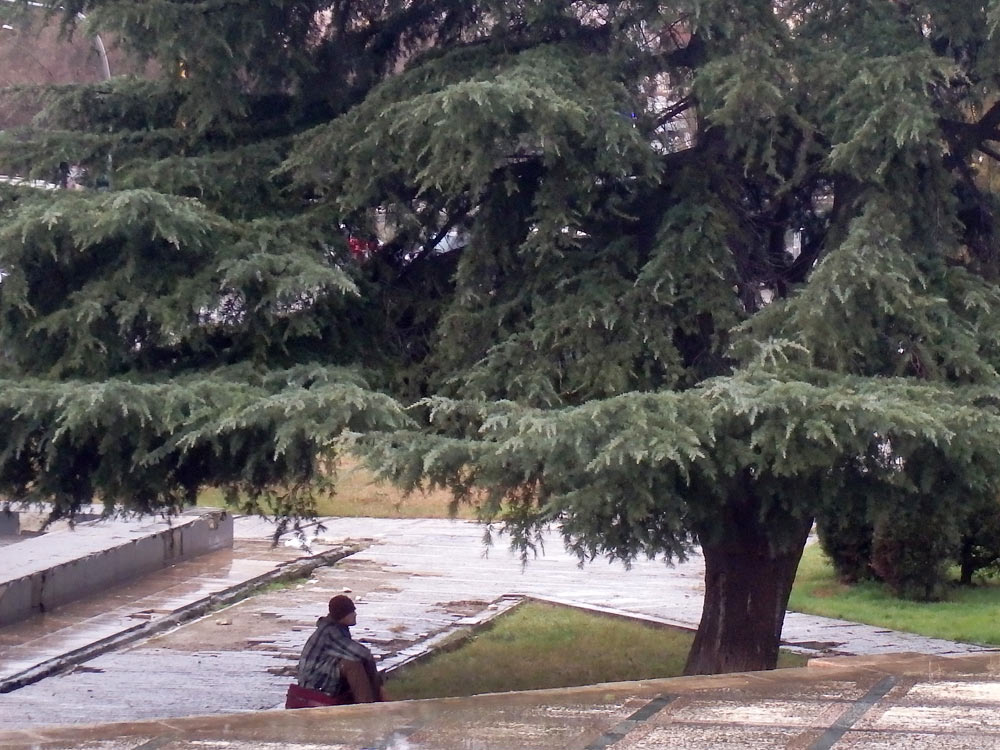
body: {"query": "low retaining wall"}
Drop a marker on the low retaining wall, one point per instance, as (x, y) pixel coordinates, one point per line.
(124, 556)
(10, 523)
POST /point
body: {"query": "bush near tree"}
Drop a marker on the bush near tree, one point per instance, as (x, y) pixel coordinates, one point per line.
(668, 274)
(979, 549)
(910, 547)
(846, 538)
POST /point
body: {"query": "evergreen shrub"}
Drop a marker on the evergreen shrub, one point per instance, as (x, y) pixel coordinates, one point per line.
(847, 541)
(980, 546)
(912, 546)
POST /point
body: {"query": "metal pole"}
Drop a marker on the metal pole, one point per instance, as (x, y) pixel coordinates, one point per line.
(102, 53)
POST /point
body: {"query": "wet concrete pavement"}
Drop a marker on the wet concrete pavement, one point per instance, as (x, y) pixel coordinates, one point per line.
(435, 559)
(413, 580)
(57, 634)
(875, 703)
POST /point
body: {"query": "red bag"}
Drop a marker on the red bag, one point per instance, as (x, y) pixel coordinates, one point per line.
(300, 697)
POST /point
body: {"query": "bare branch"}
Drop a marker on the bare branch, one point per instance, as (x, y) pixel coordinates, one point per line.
(989, 151)
(681, 106)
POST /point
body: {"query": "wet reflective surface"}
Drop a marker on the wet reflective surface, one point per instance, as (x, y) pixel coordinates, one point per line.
(83, 622)
(413, 581)
(879, 703)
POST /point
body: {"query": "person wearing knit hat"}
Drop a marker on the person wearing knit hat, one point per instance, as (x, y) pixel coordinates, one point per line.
(341, 606)
(335, 669)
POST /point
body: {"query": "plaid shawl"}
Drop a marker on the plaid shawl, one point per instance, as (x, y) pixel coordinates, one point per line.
(319, 665)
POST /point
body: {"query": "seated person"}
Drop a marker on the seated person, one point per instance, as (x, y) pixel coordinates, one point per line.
(335, 669)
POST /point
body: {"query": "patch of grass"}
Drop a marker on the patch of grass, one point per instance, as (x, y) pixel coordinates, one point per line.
(969, 614)
(359, 495)
(280, 585)
(544, 646)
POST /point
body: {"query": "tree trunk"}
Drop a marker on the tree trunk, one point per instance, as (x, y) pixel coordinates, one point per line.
(747, 583)
(967, 562)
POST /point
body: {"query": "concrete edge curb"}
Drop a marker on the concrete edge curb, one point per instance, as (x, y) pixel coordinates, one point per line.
(458, 634)
(612, 612)
(455, 635)
(285, 571)
(664, 622)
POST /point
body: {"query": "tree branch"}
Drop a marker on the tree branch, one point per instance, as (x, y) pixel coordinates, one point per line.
(681, 106)
(989, 122)
(989, 151)
(966, 137)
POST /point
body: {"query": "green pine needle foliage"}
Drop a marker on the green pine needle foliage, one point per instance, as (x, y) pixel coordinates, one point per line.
(627, 267)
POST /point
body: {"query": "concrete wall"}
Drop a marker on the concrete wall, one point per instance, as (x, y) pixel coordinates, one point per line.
(45, 589)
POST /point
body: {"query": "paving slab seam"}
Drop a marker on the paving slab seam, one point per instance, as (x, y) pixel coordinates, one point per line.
(231, 595)
(853, 714)
(620, 730)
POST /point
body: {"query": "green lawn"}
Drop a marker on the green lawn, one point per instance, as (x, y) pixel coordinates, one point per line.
(543, 646)
(969, 614)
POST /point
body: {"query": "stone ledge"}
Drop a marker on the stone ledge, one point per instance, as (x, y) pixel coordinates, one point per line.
(52, 569)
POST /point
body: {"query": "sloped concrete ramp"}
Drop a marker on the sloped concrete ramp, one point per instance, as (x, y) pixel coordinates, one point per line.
(916, 702)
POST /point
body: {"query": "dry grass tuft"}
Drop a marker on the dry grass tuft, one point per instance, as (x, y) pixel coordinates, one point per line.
(359, 495)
